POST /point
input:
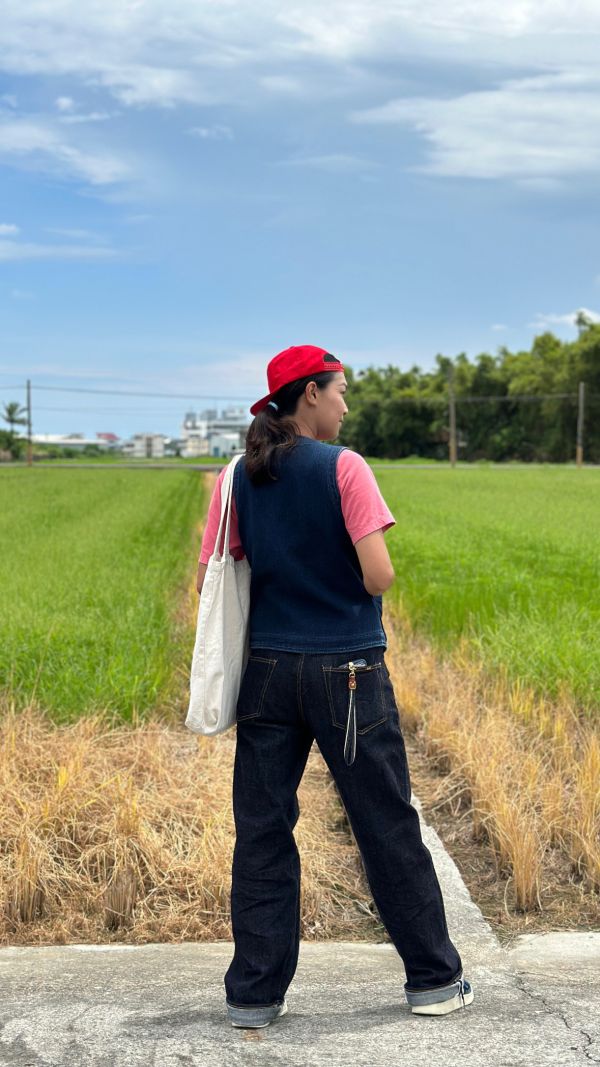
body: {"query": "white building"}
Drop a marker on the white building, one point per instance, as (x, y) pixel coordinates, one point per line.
(68, 440)
(209, 434)
(145, 446)
(194, 433)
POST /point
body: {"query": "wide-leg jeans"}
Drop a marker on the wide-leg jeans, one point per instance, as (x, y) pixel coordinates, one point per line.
(287, 700)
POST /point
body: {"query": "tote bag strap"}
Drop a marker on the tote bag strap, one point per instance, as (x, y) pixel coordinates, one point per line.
(226, 493)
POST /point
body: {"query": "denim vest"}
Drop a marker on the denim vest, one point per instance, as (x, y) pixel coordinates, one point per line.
(306, 588)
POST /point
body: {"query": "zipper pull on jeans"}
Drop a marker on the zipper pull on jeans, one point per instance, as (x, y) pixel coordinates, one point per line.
(350, 739)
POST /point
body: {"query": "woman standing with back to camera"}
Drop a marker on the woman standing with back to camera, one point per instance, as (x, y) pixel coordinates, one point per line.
(310, 518)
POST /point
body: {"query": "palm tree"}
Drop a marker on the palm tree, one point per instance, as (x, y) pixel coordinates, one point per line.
(13, 413)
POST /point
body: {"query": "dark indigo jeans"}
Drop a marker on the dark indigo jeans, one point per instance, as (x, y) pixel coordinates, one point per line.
(286, 700)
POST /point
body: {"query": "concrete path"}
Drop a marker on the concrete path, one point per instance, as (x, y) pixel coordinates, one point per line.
(157, 1005)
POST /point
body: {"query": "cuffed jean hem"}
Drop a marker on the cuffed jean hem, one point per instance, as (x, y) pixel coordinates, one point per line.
(253, 1014)
(417, 997)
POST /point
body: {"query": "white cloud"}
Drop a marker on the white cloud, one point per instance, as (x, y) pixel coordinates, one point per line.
(16, 250)
(76, 234)
(7, 228)
(568, 319)
(536, 130)
(141, 85)
(161, 52)
(334, 163)
(498, 326)
(65, 103)
(10, 99)
(464, 28)
(215, 132)
(37, 145)
(93, 116)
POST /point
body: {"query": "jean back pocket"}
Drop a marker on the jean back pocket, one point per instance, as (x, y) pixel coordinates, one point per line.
(369, 704)
(254, 686)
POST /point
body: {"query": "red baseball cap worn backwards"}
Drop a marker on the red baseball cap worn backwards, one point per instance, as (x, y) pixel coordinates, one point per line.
(292, 363)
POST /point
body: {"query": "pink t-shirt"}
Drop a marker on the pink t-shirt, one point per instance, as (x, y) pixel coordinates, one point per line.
(363, 506)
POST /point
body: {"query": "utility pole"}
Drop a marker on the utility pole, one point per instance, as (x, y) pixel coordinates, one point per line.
(579, 450)
(452, 407)
(29, 448)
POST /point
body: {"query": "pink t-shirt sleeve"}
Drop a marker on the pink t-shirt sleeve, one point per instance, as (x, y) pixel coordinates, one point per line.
(209, 536)
(363, 506)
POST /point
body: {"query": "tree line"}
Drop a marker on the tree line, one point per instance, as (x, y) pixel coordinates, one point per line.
(519, 406)
(512, 406)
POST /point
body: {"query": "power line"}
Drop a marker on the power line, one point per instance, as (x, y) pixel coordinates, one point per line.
(439, 399)
(109, 411)
(129, 392)
(442, 399)
(516, 396)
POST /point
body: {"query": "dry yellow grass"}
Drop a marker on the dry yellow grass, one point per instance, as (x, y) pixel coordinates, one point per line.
(529, 769)
(111, 831)
(125, 832)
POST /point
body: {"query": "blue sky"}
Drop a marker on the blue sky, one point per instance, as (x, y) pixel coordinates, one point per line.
(187, 188)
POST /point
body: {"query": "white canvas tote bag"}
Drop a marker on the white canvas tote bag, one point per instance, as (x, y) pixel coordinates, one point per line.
(222, 643)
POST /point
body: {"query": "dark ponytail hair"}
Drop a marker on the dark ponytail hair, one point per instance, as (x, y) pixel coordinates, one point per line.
(273, 433)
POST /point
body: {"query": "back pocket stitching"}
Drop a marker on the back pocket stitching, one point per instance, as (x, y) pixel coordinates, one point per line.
(255, 714)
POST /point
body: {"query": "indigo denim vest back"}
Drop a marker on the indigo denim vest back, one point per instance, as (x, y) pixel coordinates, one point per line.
(306, 588)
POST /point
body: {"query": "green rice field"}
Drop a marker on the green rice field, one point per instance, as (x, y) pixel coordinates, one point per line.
(510, 560)
(91, 572)
(94, 565)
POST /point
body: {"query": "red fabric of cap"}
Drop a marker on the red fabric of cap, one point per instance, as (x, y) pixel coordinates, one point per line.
(292, 363)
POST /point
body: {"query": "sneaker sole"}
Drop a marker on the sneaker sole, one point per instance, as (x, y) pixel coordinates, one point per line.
(443, 1007)
(261, 1026)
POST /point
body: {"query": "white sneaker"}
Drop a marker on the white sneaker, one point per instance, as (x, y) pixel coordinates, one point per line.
(255, 1018)
(462, 997)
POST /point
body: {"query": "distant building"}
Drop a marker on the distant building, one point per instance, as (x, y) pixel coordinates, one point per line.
(145, 446)
(69, 440)
(208, 434)
(194, 433)
(111, 439)
(173, 446)
(203, 434)
(224, 444)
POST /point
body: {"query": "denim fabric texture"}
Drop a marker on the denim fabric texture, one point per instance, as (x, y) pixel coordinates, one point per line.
(287, 700)
(306, 589)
